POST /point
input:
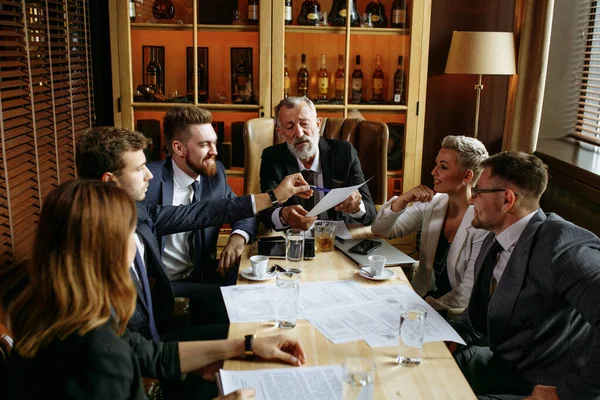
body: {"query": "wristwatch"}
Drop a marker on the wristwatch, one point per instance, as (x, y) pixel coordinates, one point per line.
(248, 353)
(274, 202)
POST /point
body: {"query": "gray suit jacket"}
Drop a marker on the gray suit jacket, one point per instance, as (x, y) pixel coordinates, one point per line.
(544, 316)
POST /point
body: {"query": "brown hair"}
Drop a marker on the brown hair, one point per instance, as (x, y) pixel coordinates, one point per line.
(79, 272)
(178, 119)
(526, 171)
(101, 149)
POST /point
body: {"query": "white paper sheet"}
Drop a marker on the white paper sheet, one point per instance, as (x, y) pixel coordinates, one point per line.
(333, 198)
(249, 303)
(303, 383)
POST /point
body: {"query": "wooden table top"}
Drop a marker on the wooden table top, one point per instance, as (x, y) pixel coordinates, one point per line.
(438, 376)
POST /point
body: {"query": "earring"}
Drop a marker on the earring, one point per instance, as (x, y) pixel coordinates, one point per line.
(464, 183)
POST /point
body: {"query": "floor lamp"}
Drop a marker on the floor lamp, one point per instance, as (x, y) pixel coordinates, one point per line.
(481, 53)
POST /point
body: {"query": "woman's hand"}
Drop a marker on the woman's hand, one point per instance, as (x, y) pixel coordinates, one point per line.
(421, 193)
(291, 185)
(281, 348)
(240, 394)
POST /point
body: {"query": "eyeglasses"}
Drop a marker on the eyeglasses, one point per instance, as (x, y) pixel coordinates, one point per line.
(475, 191)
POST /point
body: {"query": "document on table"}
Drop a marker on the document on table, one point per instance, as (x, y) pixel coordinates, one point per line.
(299, 383)
(333, 198)
(249, 303)
(341, 230)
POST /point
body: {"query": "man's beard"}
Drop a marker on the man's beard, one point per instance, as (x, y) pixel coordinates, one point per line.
(202, 169)
(308, 151)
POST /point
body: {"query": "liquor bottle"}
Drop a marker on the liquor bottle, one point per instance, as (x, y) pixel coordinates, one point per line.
(303, 78)
(338, 13)
(253, 12)
(309, 14)
(163, 9)
(132, 11)
(154, 72)
(399, 14)
(399, 82)
(242, 81)
(377, 10)
(323, 80)
(340, 79)
(286, 78)
(202, 83)
(357, 82)
(288, 12)
(378, 81)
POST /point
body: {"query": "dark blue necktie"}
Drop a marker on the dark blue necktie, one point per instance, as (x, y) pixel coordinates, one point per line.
(310, 177)
(482, 288)
(143, 279)
(197, 236)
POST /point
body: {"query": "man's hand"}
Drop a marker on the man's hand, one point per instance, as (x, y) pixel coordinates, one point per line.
(291, 185)
(351, 204)
(240, 394)
(542, 392)
(295, 217)
(231, 254)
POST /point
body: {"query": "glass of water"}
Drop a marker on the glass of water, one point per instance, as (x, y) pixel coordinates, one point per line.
(286, 301)
(294, 245)
(358, 377)
(412, 333)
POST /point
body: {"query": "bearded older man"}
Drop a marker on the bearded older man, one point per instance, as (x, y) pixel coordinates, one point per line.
(324, 162)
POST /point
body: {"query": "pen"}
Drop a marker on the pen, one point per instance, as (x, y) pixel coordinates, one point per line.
(320, 189)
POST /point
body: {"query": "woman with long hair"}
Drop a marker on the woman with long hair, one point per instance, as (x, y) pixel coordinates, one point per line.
(69, 323)
(449, 244)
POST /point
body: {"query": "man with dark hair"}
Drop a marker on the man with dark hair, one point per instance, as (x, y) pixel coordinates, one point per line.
(116, 155)
(533, 316)
(192, 163)
(329, 163)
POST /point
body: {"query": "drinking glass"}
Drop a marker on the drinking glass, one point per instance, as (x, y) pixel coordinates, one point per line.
(324, 236)
(366, 20)
(286, 301)
(412, 333)
(294, 245)
(358, 377)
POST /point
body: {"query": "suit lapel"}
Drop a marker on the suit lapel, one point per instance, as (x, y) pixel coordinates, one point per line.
(503, 301)
(152, 254)
(327, 162)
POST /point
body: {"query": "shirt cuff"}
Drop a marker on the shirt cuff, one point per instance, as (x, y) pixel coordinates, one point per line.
(253, 204)
(361, 211)
(276, 219)
(242, 233)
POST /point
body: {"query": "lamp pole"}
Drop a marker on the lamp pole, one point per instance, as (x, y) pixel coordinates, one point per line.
(479, 88)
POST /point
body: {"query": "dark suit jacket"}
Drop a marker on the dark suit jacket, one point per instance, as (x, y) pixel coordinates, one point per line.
(97, 365)
(340, 166)
(160, 191)
(544, 316)
(156, 221)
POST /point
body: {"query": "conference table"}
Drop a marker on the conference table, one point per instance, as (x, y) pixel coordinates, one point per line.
(437, 377)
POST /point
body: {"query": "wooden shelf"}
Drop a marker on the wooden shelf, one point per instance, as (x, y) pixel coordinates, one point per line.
(329, 107)
(189, 27)
(377, 107)
(340, 30)
(207, 106)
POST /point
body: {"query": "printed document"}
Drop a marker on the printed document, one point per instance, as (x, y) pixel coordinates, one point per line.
(333, 198)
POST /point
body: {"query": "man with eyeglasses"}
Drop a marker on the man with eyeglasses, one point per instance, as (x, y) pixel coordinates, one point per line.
(533, 315)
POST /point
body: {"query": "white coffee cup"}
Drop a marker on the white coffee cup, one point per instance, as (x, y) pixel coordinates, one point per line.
(259, 265)
(377, 264)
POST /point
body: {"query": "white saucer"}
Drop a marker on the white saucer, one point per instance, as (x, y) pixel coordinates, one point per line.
(387, 274)
(247, 273)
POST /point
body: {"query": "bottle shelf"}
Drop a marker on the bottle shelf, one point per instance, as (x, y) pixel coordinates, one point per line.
(189, 27)
(342, 30)
(377, 107)
(334, 107)
(207, 106)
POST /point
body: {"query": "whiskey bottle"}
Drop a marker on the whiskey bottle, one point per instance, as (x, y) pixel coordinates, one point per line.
(288, 12)
(242, 81)
(163, 9)
(286, 78)
(338, 13)
(154, 72)
(377, 10)
(323, 79)
(303, 78)
(399, 80)
(357, 82)
(132, 11)
(309, 14)
(399, 17)
(340, 80)
(378, 82)
(253, 12)
(202, 83)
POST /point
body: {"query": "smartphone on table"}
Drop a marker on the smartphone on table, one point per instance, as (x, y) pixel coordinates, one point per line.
(364, 247)
(274, 247)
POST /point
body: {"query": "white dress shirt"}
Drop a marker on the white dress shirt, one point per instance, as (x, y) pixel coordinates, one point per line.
(177, 253)
(318, 195)
(508, 238)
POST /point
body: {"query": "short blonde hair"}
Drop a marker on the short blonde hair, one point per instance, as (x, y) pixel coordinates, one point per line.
(471, 153)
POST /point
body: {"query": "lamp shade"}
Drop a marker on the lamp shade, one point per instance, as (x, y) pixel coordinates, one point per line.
(485, 53)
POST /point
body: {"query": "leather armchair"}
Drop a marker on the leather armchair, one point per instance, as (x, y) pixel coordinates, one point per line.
(370, 138)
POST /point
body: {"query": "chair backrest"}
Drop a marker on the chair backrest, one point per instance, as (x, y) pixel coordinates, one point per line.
(369, 138)
(6, 345)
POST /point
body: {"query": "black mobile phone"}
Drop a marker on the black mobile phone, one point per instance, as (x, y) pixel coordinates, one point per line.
(276, 248)
(364, 247)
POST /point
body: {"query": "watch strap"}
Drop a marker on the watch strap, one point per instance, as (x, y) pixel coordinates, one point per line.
(274, 201)
(248, 352)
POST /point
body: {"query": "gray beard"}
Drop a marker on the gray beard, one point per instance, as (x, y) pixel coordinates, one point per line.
(307, 152)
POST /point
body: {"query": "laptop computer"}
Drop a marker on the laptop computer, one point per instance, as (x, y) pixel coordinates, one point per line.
(393, 255)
